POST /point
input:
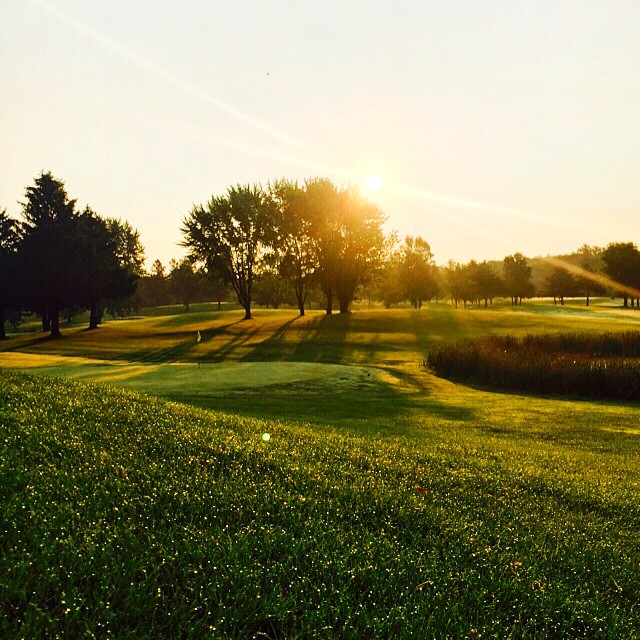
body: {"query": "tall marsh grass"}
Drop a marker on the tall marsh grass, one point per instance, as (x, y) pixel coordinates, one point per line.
(601, 366)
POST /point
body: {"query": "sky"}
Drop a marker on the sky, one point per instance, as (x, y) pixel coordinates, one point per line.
(493, 126)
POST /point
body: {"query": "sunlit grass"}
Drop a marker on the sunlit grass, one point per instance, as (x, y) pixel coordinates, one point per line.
(386, 502)
(127, 516)
(376, 336)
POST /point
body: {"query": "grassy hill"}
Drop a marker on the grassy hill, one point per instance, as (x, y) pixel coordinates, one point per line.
(387, 502)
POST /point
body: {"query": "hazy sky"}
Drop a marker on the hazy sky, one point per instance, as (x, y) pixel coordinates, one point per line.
(495, 126)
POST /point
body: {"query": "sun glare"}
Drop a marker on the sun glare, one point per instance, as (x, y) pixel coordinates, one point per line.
(373, 182)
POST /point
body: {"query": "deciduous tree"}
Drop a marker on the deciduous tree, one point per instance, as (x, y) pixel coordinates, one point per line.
(517, 278)
(622, 265)
(231, 235)
(295, 252)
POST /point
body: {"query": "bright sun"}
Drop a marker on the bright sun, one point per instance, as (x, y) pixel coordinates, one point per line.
(373, 182)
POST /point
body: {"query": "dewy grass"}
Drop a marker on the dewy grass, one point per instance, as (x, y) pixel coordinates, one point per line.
(395, 504)
(127, 516)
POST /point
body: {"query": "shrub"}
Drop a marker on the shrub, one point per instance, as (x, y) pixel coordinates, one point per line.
(602, 366)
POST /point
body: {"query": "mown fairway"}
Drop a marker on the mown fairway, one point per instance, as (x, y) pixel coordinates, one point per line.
(388, 502)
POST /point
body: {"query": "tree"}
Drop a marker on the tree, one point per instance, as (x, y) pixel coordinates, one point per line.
(272, 290)
(109, 263)
(622, 265)
(231, 235)
(561, 284)
(388, 286)
(186, 284)
(417, 271)
(216, 286)
(486, 283)
(517, 278)
(96, 249)
(455, 279)
(129, 254)
(154, 286)
(348, 240)
(363, 246)
(9, 242)
(48, 253)
(590, 259)
(322, 204)
(295, 251)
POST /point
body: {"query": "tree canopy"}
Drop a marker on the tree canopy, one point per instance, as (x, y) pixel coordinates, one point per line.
(231, 236)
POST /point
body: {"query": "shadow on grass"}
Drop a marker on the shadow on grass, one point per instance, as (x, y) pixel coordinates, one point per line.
(22, 344)
(369, 405)
(320, 338)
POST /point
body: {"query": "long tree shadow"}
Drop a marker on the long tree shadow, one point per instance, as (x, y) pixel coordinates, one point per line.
(23, 344)
(321, 339)
(228, 349)
(273, 348)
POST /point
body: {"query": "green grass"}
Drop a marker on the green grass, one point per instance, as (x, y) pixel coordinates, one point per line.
(388, 503)
(130, 517)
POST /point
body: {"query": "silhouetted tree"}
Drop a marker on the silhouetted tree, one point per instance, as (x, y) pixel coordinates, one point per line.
(388, 286)
(122, 296)
(186, 284)
(105, 273)
(622, 265)
(417, 271)
(590, 259)
(9, 291)
(295, 251)
(272, 290)
(456, 280)
(216, 287)
(517, 278)
(348, 238)
(322, 204)
(231, 235)
(560, 284)
(485, 282)
(48, 252)
(154, 286)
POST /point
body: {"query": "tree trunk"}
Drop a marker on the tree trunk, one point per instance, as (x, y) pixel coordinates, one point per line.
(247, 312)
(626, 300)
(55, 323)
(3, 334)
(344, 304)
(329, 295)
(300, 297)
(46, 321)
(93, 316)
(587, 299)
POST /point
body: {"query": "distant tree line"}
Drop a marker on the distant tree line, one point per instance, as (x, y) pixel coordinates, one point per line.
(286, 243)
(318, 236)
(56, 259)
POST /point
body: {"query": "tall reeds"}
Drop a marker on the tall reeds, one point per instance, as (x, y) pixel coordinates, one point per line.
(600, 366)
